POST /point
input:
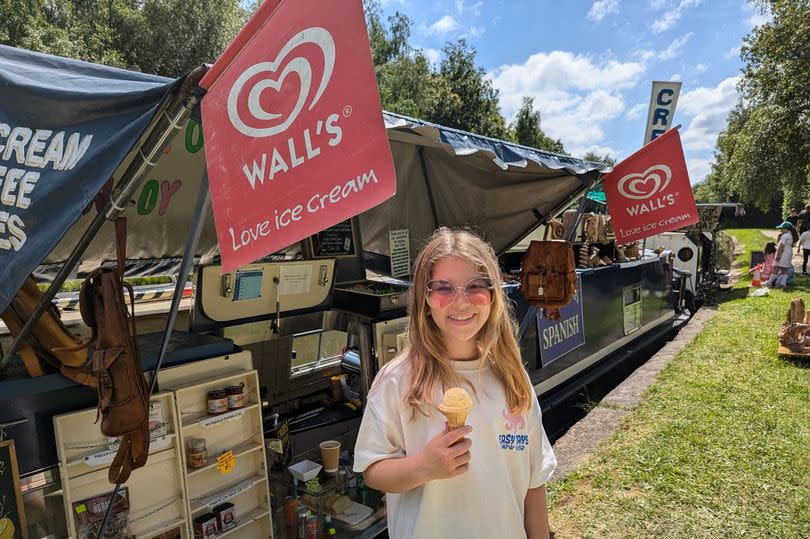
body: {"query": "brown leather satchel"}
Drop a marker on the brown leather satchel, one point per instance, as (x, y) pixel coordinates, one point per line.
(123, 394)
(548, 276)
(49, 341)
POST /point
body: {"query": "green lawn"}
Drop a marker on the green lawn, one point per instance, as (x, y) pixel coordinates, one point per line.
(719, 448)
(752, 239)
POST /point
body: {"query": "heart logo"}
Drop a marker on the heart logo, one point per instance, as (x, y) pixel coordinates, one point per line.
(299, 66)
(646, 184)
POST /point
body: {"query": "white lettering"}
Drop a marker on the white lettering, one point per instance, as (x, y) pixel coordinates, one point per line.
(334, 129)
(257, 173)
(35, 148)
(17, 140)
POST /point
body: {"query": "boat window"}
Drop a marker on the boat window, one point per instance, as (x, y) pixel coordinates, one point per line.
(318, 349)
(631, 309)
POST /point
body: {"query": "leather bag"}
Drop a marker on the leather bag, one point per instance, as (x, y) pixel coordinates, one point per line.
(50, 341)
(548, 276)
(123, 394)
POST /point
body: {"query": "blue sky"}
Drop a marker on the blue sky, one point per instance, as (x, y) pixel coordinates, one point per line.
(589, 64)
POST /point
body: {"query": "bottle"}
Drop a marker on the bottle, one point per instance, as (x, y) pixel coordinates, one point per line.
(329, 531)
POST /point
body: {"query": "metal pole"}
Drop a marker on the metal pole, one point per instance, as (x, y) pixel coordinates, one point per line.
(200, 210)
(143, 162)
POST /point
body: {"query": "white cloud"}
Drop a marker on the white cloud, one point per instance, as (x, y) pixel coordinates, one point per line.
(657, 4)
(575, 94)
(602, 8)
(496, 19)
(442, 26)
(476, 31)
(755, 16)
(635, 112)
(433, 55)
(708, 108)
(700, 68)
(676, 47)
(698, 168)
(675, 76)
(580, 151)
(733, 52)
(671, 16)
(475, 8)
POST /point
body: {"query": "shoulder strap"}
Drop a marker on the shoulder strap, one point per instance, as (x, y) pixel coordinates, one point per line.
(121, 244)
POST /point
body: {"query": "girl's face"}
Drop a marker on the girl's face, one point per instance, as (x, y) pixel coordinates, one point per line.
(458, 314)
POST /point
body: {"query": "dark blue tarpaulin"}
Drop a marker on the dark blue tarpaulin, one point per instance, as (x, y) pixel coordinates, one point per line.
(65, 126)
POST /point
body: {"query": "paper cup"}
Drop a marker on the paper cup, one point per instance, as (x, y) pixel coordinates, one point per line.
(330, 454)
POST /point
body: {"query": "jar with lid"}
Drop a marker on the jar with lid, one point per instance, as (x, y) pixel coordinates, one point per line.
(217, 401)
(236, 396)
(197, 453)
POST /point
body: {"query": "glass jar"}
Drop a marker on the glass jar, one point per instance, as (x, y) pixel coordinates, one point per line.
(197, 453)
(217, 402)
(236, 396)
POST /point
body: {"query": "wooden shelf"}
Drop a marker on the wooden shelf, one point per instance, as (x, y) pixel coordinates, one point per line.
(246, 486)
(164, 527)
(105, 457)
(212, 460)
(203, 385)
(249, 518)
(85, 457)
(206, 420)
(212, 499)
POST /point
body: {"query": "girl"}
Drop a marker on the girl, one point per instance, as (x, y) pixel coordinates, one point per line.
(485, 479)
(783, 260)
(767, 263)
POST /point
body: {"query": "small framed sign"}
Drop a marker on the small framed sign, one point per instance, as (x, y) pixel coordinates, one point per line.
(12, 512)
(336, 241)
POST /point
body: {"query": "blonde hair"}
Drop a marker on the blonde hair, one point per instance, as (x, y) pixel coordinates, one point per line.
(428, 361)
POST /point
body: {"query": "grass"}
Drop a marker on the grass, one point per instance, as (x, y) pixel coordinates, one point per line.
(751, 239)
(720, 446)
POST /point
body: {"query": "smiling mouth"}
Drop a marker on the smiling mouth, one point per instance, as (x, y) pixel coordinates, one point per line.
(461, 317)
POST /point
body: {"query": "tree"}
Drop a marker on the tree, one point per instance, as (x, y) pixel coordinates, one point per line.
(526, 129)
(465, 99)
(766, 146)
(606, 159)
(455, 93)
(165, 37)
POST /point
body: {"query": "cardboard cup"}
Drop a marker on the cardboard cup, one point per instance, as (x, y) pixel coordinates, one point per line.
(330, 453)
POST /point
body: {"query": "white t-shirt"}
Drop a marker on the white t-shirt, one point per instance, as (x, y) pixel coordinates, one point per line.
(805, 240)
(510, 455)
(786, 260)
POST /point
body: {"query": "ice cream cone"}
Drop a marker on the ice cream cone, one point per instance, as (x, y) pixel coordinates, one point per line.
(456, 406)
(456, 419)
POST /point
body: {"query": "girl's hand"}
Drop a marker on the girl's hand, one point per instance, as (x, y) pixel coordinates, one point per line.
(447, 455)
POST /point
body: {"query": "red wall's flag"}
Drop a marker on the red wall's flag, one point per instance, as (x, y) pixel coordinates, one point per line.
(294, 136)
(649, 192)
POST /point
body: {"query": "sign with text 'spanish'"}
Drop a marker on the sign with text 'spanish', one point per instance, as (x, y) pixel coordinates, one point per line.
(294, 136)
(649, 192)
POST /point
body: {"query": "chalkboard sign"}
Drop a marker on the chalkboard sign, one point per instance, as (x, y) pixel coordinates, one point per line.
(335, 241)
(12, 513)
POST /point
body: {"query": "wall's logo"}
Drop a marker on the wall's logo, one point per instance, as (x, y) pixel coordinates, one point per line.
(646, 184)
(264, 123)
